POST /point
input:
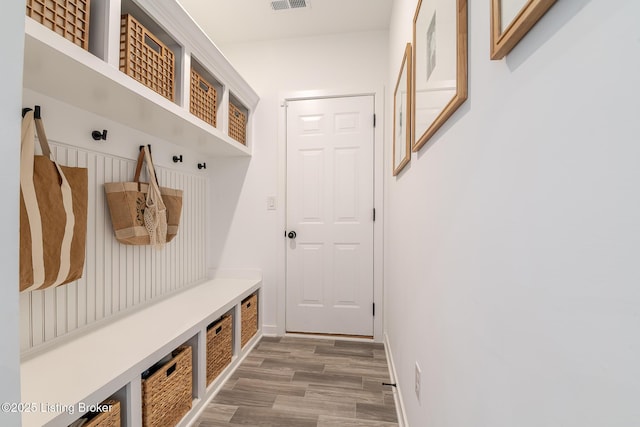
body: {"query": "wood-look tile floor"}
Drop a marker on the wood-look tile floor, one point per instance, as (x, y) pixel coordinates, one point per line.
(306, 382)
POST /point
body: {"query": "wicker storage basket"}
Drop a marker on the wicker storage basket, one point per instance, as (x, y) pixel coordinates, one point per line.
(166, 394)
(69, 18)
(237, 124)
(145, 58)
(109, 418)
(219, 346)
(249, 316)
(203, 102)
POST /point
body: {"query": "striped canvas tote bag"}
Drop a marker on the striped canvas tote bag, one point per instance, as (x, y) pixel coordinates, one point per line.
(53, 214)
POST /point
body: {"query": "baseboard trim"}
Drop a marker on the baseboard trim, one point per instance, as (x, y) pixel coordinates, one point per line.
(270, 330)
(397, 394)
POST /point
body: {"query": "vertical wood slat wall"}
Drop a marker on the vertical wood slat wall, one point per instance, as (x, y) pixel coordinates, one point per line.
(117, 277)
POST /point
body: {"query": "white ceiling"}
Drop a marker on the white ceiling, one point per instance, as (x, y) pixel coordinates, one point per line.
(233, 21)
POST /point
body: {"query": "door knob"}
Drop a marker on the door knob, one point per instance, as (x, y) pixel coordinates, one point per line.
(292, 235)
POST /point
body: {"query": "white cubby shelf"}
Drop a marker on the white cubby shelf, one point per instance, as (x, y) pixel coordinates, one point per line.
(92, 81)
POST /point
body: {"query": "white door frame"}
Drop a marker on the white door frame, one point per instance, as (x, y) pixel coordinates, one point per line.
(378, 97)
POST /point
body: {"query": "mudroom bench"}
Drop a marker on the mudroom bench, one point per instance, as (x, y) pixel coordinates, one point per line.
(108, 362)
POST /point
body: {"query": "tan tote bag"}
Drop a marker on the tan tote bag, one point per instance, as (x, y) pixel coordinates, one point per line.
(53, 214)
(144, 213)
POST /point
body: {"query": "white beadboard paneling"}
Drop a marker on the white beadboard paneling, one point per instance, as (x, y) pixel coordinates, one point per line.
(25, 324)
(117, 277)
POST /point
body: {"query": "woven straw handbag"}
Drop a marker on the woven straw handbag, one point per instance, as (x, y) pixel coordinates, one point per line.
(144, 213)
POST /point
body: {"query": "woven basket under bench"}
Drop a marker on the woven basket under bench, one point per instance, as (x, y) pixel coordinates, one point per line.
(249, 316)
(219, 346)
(167, 393)
(110, 418)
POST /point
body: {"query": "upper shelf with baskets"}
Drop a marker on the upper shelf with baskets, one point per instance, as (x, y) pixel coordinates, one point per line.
(138, 68)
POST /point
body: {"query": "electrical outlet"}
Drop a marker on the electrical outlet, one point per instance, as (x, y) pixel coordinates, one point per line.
(418, 379)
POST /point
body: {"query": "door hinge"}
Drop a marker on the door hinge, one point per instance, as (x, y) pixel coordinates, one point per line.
(374, 214)
(374, 120)
(374, 309)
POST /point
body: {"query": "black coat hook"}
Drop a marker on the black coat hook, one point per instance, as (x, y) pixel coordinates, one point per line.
(202, 165)
(36, 112)
(148, 145)
(97, 135)
(177, 159)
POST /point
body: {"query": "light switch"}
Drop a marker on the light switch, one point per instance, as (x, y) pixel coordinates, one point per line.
(271, 203)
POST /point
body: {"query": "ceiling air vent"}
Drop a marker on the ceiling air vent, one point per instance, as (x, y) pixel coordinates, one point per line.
(279, 5)
(288, 4)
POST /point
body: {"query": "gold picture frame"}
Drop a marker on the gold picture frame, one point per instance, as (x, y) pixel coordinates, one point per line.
(402, 114)
(440, 57)
(511, 20)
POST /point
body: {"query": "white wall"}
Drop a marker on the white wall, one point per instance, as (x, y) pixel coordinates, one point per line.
(11, 28)
(249, 235)
(511, 269)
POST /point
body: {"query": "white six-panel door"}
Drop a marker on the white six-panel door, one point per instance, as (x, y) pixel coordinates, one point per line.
(330, 176)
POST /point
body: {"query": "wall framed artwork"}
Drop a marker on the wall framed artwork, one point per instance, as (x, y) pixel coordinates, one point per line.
(511, 20)
(439, 75)
(402, 114)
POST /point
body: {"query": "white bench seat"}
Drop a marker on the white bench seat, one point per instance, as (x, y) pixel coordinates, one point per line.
(94, 365)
